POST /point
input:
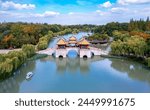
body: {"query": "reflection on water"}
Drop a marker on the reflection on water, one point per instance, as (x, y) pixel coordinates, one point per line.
(13, 83)
(72, 65)
(73, 74)
(133, 69)
(72, 54)
(79, 75)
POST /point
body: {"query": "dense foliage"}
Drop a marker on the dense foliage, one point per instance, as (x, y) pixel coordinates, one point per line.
(43, 41)
(148, 61)
(110, 27)
(139, 25)
(133, 25)
(14, 59)
(132, 46)
(29, 50)
(135, 42)
(14, 35)
(97, 36)
(11, 62)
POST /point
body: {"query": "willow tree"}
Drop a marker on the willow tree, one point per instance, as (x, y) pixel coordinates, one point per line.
(29, 49)
(133, 45)
(137, 45)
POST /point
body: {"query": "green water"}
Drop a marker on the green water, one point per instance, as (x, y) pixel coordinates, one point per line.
(79, 75)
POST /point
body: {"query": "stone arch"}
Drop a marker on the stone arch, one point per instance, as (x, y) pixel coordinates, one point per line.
(60, 56)
(53, 54)
(92, 54)
(76, 52)
(72, 49)
(85, 56)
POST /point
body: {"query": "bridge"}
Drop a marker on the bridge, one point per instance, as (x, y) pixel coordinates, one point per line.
(81, 52)
(82, 47)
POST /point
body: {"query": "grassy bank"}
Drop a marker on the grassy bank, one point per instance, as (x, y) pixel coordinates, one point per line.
(37, 56)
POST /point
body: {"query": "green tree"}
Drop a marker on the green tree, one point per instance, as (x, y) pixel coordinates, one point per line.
(29, 50)
(133, 45)
(42, 45)
(148, 60)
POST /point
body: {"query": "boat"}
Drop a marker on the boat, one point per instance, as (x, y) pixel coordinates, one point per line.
(29, 75)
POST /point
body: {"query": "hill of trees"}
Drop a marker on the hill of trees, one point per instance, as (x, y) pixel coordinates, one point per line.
(133, 25)
(14, 35)
(133, 42)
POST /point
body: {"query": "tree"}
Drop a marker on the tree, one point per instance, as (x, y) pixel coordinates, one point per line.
(10, 62)
(15, 62)
(137, 45)
(29, 50)
(98, 36)
(148, 60)
(2, 58)
(148, 47)
(42, 45)
(147, 24)
(6, 68)
(133, 45)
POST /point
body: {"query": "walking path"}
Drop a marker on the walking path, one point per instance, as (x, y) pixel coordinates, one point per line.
(5, 51)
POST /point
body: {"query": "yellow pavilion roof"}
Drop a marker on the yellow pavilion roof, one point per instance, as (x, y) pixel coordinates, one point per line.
(72, 38)
(72, 42)
(61, 42)
(83, 42)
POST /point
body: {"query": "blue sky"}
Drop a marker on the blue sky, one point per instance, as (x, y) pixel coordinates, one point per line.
(73, 11)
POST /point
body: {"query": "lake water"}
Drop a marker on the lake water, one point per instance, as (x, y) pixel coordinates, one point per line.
(78, 75)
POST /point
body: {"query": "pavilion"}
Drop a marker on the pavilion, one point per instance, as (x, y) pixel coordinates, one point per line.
(72, 41)
(83, 43)
(61, 44)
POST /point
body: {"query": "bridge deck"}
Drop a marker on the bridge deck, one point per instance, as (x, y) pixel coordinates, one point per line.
(81, 52)
(48, 51)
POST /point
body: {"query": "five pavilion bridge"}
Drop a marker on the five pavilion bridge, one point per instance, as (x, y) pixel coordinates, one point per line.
(82, 47)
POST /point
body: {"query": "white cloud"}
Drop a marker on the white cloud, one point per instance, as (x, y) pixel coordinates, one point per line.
(8, 5)
(126, 2)
(9, 14)
(106, 4)
(100, 12)
(97, 17)
(119, 10)
(114, 13)
(46, 14)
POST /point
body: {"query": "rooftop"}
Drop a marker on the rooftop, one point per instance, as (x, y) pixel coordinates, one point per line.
(83, 41)
(61, 42)
(72, 38)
